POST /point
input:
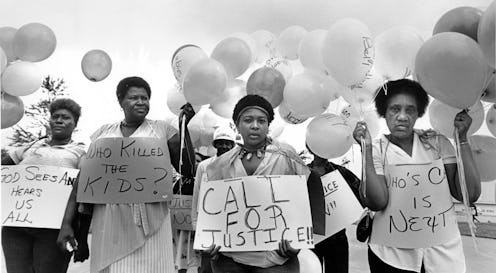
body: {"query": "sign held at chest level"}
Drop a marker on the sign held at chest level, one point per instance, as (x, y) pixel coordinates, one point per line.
(254, 213)
(30, 191)
(126, 170)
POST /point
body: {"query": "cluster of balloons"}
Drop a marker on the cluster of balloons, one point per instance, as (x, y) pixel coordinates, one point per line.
(456, 66)
(20, 49)
(301, 72)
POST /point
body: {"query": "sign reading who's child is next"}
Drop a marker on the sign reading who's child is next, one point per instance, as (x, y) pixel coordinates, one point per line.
(125, 170)
(35, 195)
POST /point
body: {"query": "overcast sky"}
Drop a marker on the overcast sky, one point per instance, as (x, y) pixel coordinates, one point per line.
(140, 36)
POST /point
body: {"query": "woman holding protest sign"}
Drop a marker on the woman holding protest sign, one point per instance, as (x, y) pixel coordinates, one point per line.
(29, 248)
(135, 236)
(410, 179)
(261, 156)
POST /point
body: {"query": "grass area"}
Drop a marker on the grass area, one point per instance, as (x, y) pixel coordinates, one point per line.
(484, 230)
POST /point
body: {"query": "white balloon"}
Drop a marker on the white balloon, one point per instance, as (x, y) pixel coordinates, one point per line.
(205, 82)
(234, 92)
(304, 93)
(21, 78)
(334, 88)
(395, 51)
(489, 94)
(329, 136)
(442, 116)
(282, 65)
(484, 154)
(176, 100)
(7, 35)
(311, 50)
(3, 60)
(234, 54)
(96, 65)
(289, 115)
(353, 115)
(249, 41)
(491, 119)
(486, 33)
(309, 262)
(266, 45)
(348, 51)
(276, 127)
(289, 40)
(184, 57)
(452, 68)
(12, 110)
(34, 42)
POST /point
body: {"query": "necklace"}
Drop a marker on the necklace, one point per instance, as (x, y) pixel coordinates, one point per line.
(248, 153)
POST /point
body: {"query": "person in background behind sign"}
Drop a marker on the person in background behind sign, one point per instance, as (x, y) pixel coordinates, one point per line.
(334, 250)
(134, 237)
(29, 249)
(260, 155)
(224, 141)
(403, 102)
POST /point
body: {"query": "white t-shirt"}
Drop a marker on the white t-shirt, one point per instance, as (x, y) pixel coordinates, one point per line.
(447, 257)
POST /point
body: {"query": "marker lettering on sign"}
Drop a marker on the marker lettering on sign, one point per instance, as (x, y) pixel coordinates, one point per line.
(29, 191)
(436, 176)
(126, 170)
(413, 223)
(253, 213)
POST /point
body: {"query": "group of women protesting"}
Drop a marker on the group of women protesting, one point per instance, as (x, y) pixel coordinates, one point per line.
(138, 237)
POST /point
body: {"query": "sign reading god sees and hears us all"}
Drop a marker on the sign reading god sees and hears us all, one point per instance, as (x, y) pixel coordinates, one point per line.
(254, 213)
(125, 170)
(420, 211)
(35, 195)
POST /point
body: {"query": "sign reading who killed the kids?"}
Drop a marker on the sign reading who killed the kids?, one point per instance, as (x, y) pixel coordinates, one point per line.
(35, 195)
(125, 170)
(254, 213)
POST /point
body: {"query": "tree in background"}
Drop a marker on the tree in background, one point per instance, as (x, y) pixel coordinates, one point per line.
(35, 124)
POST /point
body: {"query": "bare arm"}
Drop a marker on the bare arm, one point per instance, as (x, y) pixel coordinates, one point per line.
(472, 177)
(67, 233)
(377, 195)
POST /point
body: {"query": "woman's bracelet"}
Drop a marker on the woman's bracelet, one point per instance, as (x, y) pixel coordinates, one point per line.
(464, 142)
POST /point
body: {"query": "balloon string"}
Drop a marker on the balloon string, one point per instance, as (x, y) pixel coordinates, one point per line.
(364, 165)
(463, 187)
(181, 147)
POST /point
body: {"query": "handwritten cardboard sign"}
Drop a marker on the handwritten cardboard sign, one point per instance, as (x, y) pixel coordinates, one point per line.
(180, 208)
(420, 212)
(254, 213)
(125, 170)
(342, 208)
(35, 195)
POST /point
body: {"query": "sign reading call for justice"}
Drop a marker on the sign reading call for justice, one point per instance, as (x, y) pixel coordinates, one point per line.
(35, 195)
(125, 170)
(420, 211)
(341, 206)
(254, 213)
